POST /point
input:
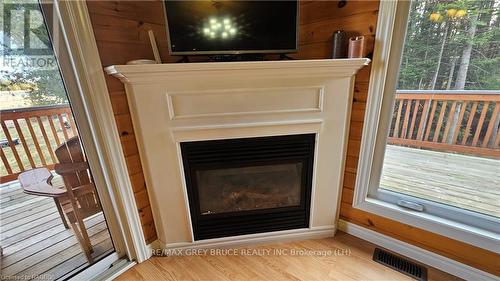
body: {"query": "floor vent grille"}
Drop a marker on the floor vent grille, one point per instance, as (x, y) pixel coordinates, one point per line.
(400, 264)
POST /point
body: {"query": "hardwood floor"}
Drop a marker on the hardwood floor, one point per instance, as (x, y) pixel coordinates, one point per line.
(304, 260)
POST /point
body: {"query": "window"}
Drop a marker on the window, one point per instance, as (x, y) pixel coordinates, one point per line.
(430, 154)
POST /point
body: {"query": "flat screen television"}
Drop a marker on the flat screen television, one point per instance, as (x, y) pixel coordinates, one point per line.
(231, 27)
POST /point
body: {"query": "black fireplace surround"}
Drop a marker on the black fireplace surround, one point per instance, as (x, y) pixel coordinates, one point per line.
(248, 185)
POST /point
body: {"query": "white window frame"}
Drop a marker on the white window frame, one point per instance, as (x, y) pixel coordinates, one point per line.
(389, 43)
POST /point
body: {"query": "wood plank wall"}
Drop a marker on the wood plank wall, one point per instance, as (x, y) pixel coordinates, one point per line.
(120, 29)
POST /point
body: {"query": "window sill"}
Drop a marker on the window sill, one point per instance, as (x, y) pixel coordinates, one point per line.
(471, 235)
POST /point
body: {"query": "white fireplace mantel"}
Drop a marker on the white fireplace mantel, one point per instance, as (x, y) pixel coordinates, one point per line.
(173, 103)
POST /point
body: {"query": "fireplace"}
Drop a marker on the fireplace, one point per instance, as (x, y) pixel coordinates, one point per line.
(192, 122)
(248, 185)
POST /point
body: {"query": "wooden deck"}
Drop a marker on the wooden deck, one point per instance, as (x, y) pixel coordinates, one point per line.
(467, 182)
(34, 240)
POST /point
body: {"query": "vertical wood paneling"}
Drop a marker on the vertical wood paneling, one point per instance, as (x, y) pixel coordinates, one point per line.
(121, 28)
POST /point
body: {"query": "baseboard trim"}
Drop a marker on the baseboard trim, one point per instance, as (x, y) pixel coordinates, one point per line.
(426, 257)
(151, 247)
(254, 239)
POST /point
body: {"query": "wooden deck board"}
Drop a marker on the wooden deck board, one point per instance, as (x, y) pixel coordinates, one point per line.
(34, 240)
(39, 243)
(28, 207)
(6, 220)
(78, 261)
(463, 181)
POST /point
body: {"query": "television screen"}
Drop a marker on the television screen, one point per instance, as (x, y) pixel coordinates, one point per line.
(231, 27)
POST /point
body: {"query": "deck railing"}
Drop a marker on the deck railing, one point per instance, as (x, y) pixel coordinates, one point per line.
(29, 137)
(457, 121)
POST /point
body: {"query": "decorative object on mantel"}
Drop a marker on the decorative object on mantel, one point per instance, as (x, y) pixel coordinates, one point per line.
(156, 53)
(152, 39)
(356, 47)
(339, 47)
(141, 61)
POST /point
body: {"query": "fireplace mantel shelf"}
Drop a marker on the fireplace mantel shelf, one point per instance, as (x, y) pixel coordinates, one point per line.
(173, 104)
(152, 72)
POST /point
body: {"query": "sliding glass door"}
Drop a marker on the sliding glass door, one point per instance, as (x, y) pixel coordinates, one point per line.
(434, 161)
(52, 220)
(443, 142)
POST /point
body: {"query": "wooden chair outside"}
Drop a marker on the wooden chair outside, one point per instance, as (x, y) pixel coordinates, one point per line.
(78, 200)
(39, 182)
(82, 201)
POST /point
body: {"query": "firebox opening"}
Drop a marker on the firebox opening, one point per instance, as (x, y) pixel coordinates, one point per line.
(249, 188)
(251, 185)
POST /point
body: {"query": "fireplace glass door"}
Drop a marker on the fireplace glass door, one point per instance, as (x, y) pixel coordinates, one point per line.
(249, 188)
(250, 185)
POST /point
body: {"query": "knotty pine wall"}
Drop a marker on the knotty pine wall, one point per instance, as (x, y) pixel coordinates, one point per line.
(120, 29)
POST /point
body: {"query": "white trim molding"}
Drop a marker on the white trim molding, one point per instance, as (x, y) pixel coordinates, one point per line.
(386, 25)
(255, 239)
(122, 215)
(437, 218)
(426, 257)
(151, 73)
(153, 246)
